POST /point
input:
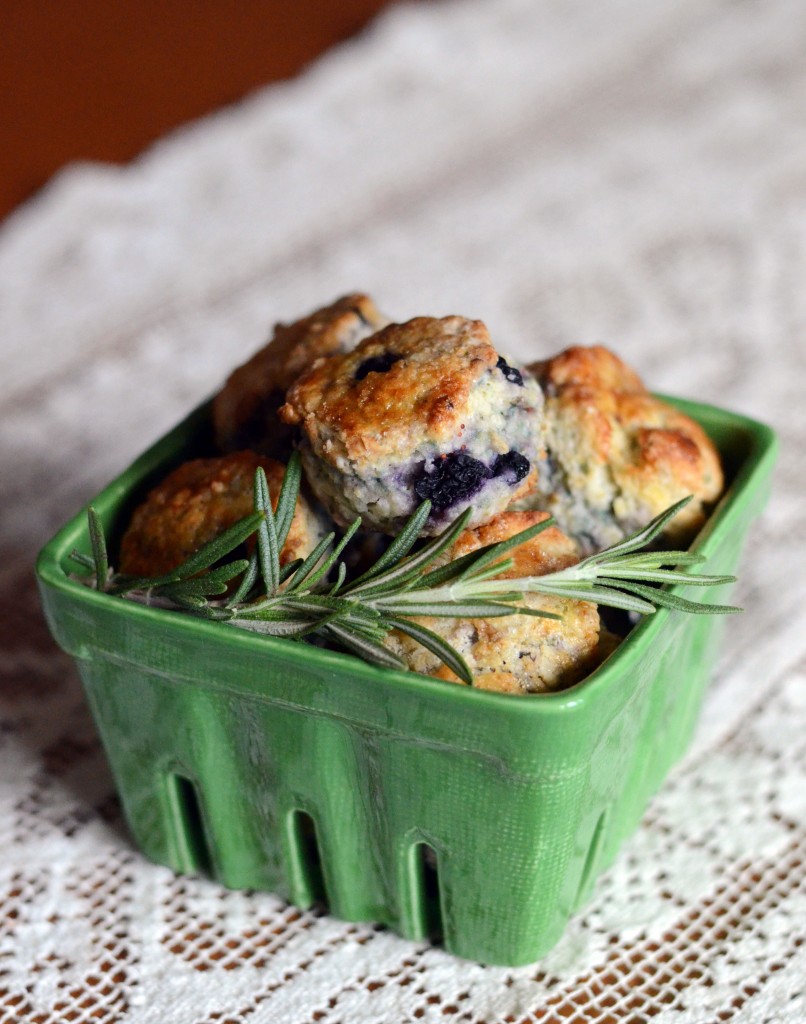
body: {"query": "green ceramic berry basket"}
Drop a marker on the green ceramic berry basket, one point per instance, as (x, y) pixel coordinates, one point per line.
(437, 809)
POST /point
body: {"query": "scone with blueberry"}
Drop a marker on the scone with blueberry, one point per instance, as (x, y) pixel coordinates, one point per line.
(245, 410)
(616, 456)
(200, 500)
(518, 653)
(424, 409)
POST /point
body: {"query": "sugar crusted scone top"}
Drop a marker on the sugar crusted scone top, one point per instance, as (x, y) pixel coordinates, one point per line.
(258, 387)
(196, 502)
(408, 382)
(519, 653)
(547, 552)
(619, 446)
(591, 366)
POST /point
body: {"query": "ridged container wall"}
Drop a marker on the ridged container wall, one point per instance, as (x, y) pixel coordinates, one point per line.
(442, 811)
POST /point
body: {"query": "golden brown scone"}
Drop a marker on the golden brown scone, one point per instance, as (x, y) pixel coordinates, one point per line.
(197, 502)
(245, 410)
(518, 653)
(616, 455)
(425, 409)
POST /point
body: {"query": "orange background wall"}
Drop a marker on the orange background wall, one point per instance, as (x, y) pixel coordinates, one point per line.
(100, 79)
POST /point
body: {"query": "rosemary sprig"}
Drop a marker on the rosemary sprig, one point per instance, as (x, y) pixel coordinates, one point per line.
(406, 583)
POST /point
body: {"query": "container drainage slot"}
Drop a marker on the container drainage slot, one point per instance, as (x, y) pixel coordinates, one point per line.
(427, 897)
(192, 843)
(309, 881)
(592, 858)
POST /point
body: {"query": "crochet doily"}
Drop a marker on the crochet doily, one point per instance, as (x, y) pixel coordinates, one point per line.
(627, 173)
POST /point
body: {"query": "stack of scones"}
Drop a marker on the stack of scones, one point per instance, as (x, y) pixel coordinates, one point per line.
(386, 415)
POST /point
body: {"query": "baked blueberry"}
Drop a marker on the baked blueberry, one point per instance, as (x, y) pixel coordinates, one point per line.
(450, 479)
(512, 465)
(513, 375)
(376, 364)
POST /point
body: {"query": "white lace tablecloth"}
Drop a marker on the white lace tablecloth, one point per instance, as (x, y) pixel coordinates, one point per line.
(596, 170)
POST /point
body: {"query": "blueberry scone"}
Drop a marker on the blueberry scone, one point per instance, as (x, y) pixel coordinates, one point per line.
(245, 410)
(518, 653)
(424, 409)
(197, 502)
(616, 456)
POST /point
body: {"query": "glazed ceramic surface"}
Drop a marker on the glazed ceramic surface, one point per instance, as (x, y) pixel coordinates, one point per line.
(437, 809)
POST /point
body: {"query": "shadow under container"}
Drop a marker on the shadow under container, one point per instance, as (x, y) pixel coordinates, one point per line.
(393, 797)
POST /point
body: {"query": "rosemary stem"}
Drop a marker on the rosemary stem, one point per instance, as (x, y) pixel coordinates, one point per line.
(301, 598)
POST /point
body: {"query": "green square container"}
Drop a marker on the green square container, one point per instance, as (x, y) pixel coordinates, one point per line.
(396, 798)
